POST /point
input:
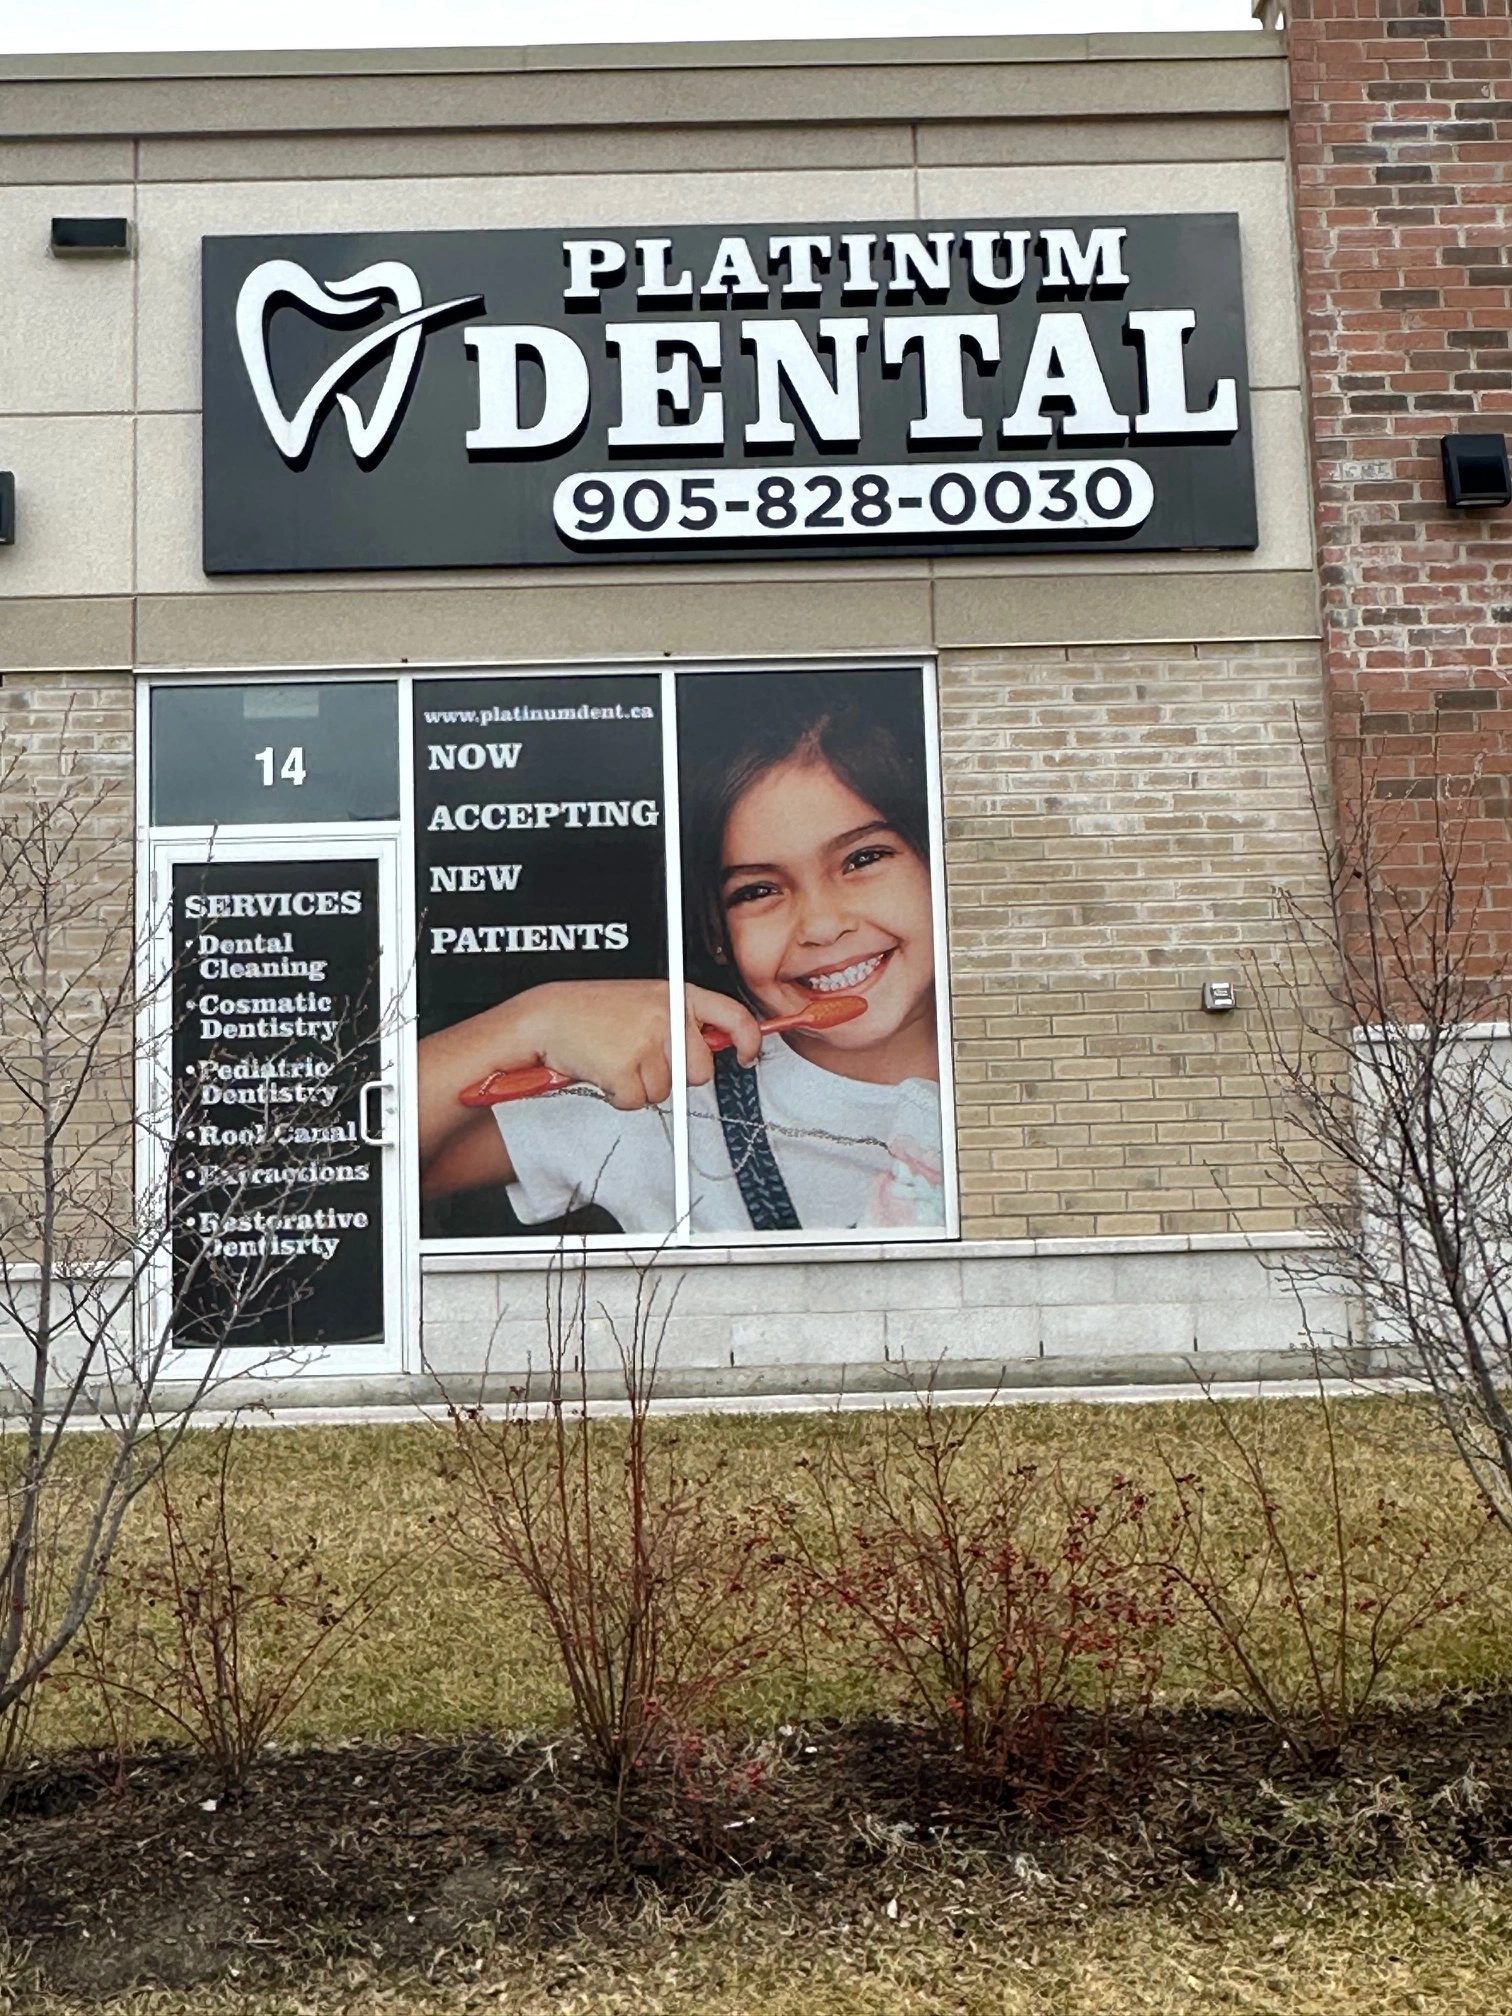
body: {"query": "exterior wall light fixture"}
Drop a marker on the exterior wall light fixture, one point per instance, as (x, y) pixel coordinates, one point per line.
(1219, 997)
(7, 508)
(1477, 476)
(91, 238)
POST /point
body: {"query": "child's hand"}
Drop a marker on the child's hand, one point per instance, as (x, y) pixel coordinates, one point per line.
(610, 1033)
(615, 1034)
(719, 1012)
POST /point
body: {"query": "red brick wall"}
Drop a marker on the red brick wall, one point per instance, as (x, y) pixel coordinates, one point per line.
(1402, 138)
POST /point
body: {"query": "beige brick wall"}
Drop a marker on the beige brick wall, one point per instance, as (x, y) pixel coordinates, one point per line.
(1119, 822)
(91, 714)
(66, 792)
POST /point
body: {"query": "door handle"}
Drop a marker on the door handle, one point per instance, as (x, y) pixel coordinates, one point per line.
(370, 1138)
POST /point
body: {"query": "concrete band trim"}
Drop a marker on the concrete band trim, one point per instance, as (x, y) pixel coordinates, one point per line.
(493, 1261)
(637, 86)
(894, 51)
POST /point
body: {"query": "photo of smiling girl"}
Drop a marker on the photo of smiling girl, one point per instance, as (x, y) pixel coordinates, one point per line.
(808, 903)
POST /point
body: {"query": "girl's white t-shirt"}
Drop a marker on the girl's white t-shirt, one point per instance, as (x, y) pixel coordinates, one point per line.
(854, 1156)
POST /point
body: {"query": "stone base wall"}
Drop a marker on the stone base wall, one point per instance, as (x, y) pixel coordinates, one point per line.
(877, 1320)
(840, 1319)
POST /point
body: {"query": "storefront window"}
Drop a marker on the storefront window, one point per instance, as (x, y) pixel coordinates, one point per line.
(674, 965)
(799, 1092)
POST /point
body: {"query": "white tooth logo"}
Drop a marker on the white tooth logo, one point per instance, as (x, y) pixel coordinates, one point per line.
(344, 299)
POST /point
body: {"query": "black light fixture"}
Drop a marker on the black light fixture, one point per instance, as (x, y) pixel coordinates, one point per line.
(91, 238)
(7, 508)
(1477, 475)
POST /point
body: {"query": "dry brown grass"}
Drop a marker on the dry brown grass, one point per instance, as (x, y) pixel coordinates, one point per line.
(437, 1659)
(1376, 1953)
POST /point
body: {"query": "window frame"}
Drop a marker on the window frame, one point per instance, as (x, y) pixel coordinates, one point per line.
(681, 1238)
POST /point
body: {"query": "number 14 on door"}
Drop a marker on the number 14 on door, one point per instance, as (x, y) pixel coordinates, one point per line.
(290, 771)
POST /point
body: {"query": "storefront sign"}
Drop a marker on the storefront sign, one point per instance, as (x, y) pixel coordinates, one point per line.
(521, 398)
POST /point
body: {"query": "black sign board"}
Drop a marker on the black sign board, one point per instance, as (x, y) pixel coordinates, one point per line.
(278, 1201)
(539, 852)
(522, 398)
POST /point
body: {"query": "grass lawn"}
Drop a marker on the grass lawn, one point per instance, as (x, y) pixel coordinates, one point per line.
(441, 1655)
(477, 1871)
(1373, 1954)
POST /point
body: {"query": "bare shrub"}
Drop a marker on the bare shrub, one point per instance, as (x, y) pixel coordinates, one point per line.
(1308, 1588)
(627, 1557)
(219, 1633)
(100, 1277)
(990, 1592)
(1387, 1037)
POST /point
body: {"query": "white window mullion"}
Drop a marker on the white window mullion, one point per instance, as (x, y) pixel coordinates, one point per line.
(672, 851)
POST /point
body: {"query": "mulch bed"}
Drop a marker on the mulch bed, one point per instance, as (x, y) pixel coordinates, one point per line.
(418, 1855)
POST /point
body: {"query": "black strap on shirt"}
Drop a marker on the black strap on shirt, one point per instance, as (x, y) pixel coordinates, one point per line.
(767, 1202)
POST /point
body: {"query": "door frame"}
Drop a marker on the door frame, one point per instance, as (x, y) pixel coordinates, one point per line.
(399, 1352)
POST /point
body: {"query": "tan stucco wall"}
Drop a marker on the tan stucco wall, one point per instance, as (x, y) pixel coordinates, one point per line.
(1124, 786)
(99, 391)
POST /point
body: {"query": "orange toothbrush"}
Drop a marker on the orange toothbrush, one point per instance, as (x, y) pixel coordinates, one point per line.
(531, 1080)
(828, 1012)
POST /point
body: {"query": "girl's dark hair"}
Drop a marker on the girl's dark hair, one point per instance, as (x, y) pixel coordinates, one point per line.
(735, 726)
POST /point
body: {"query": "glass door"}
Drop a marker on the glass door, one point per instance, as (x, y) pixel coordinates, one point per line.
(277, 1102)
